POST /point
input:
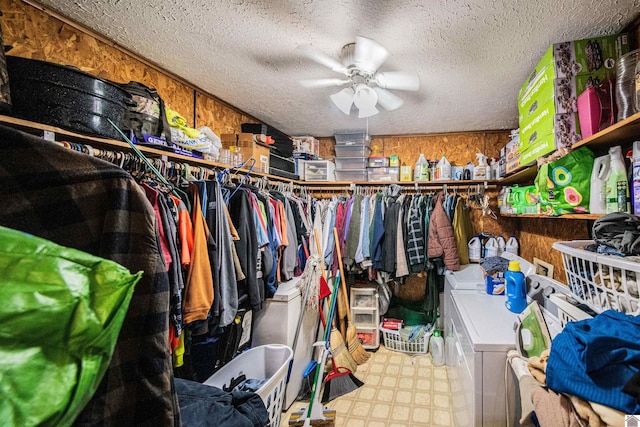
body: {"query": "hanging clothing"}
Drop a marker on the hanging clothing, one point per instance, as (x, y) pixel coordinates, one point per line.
(91, 205)
(199, 290)
(402, 267)
(442, 242)
(353, 232)
(221, 252)
(415, 242)
(378, 231)
(463, 230)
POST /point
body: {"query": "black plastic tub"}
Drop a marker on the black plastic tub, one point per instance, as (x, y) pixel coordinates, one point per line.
(65, 97)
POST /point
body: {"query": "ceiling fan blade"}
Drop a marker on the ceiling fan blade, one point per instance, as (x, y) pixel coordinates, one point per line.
(369, 55)
(398, 80)
(388, 100)
(321, 58)
(318, 83)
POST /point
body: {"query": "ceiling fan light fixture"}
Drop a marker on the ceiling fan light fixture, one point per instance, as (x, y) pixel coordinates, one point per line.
(344, 99)
(365, 99)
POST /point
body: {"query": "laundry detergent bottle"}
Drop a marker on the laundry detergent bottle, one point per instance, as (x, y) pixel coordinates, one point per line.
(516, 288)
(436, 347)
(599, 176)
(617, 185)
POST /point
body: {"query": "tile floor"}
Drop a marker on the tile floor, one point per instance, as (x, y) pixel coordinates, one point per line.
(400, 390)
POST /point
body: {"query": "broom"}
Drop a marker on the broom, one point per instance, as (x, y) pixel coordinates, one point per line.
(338, 382)
(341, 356)
(358, 353)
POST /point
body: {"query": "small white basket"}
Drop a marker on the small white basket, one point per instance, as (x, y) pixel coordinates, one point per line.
(393, 340)
(600, 281)
(269, 361)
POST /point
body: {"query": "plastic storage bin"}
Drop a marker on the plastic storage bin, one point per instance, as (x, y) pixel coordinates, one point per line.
(370, 337)
(352, 151)
(351, 175)
(395, 340)
(602, 282)
(364, 297)
(365, 317)
(351, 138)
(263, 362)
(383, 174)
(319, 170)
(357, 163)
(378, 162)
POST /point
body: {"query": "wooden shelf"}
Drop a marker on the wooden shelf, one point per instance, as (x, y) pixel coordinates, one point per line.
(65, 135)
(624, 131)
(568, 216)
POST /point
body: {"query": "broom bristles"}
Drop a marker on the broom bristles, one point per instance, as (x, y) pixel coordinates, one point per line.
(341, 355)
(339, 384)
(358, 353)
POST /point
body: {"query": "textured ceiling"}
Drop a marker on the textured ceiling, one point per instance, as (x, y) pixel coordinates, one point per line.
(471, 55)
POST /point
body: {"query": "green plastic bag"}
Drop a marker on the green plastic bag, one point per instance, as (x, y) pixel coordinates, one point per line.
(565, 184)
(61, 312)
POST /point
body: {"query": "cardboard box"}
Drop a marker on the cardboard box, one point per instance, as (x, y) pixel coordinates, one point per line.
(512, 155)
(249, 148)
(569, 59)
(544, 145)
(563, 92)
(565, 126)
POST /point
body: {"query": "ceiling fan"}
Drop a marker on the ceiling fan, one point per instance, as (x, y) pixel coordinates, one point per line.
(359, 62)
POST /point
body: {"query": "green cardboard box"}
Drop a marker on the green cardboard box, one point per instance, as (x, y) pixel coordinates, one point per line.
(565, 127)
(541, 147)
(584, 56)
(563, 92)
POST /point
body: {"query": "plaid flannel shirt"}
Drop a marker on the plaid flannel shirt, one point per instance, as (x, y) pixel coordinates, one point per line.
(85, 203)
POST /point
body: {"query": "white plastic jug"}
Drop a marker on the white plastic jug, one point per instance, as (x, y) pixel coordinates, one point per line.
(617, 185)
(421, 171)
(475, 249)
(436, 348)
(444, 168)
(491, 247)
(512, 245)
(599, 176)
(502, 244)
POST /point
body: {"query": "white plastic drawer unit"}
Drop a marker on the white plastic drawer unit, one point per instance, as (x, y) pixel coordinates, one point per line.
(364, 297)
(319, 170)
(365, 317)
(370, 337)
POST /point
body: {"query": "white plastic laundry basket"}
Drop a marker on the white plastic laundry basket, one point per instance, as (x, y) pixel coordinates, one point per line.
(266, 361)
(602, 282)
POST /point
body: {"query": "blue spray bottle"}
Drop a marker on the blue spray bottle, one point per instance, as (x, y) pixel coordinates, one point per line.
(516, 288)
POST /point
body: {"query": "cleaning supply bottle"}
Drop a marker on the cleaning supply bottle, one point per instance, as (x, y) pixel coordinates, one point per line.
(444, 169)
(436, 348)
(480, 171)
(495, 172)
(475, 249)
(512, 245)
(516, 288)
(467, 173)
(599, 177)
(491, 247)
(421, 171)
(502, 244)
(617, 186)
(636, 174)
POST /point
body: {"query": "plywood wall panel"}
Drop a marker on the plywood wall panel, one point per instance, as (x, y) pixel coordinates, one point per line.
(219, 117)
(537, 235)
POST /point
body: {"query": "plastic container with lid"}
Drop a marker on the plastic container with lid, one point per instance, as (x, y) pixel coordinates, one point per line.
(351, 162)
(352, 151)
(436, 348)
(351, 138)
(383, 174)
(378, 162)
(351, 175)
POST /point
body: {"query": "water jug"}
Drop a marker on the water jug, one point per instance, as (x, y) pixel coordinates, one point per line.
(491, 248)
(502, 244)
(599, 176)
(512, 245)
(436, 348)
(475, 249)
(617, 185)
(516, 288)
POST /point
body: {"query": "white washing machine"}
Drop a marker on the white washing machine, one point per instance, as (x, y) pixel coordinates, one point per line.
(478, 335)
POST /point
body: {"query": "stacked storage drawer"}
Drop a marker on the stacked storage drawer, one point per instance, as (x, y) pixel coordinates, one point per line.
(378, 170)
(365, 315)
(352, 153)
